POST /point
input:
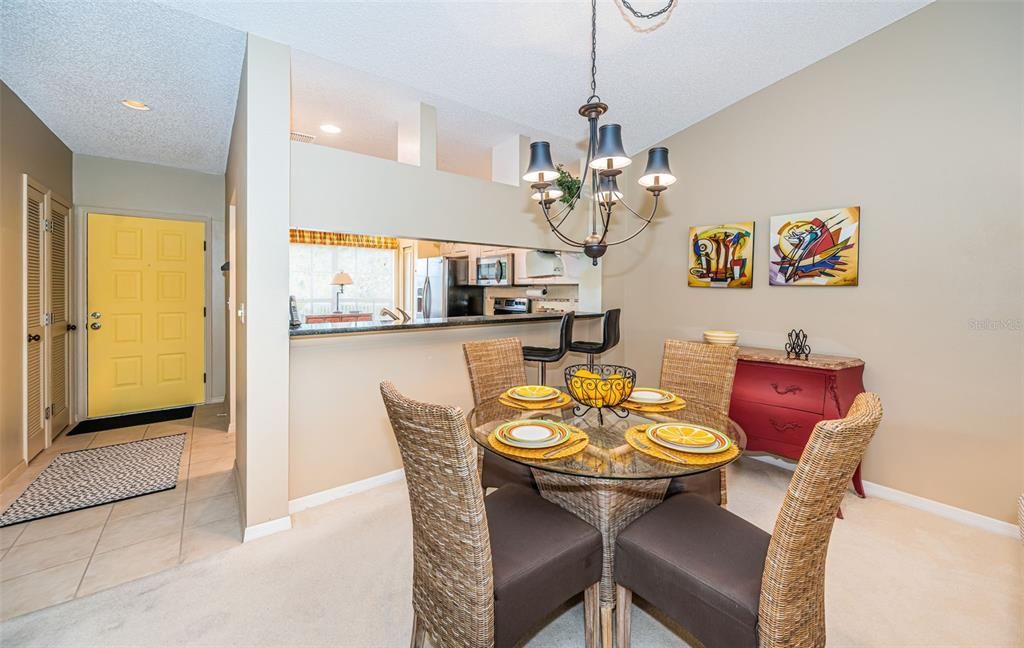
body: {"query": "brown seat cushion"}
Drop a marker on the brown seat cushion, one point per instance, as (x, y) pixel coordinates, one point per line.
(699, 564)
(499, 471)
(542, 556)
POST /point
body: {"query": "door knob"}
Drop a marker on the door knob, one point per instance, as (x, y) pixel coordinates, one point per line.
(95, 314)
(95, 326)
(72, 327)
(34, 338)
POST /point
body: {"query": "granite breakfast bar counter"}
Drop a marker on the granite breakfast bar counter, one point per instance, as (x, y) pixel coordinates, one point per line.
(340, 439)
(344, 328)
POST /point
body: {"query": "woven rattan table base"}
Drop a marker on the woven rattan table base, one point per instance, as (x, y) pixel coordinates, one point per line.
(609, 505)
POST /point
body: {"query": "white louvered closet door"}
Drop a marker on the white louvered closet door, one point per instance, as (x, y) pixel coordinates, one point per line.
(36, 365)
(57, 382)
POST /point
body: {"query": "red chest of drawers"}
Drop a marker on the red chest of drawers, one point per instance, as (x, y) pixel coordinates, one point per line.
(778, 401)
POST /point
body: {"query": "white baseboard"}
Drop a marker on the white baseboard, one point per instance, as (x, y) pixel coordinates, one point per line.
(963, 516)
(264, 529)
(331, 494)
(215, 400)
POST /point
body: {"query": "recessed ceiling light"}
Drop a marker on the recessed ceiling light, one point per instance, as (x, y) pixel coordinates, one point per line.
(134, 105)
(330, 129)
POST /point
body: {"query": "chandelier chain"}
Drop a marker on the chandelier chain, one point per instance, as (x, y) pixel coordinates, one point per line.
(648, 16)
(593, 51)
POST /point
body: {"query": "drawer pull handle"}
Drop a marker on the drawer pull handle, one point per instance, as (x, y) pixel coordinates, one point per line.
(792, 389)
(783, 427)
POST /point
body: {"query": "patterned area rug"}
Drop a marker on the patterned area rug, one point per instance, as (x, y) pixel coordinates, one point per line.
(85, 478)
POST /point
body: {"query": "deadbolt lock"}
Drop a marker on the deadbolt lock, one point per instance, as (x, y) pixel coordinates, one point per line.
(95, 326)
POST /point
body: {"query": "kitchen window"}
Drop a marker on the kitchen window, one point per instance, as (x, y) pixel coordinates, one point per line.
(313, 266)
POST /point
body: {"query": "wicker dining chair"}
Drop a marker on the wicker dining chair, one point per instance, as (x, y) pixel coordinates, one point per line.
(726, 581)
(496, 366)
(702, 374)
(486, 570)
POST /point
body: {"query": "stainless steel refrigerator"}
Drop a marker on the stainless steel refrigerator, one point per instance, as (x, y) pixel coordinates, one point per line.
(442, 290)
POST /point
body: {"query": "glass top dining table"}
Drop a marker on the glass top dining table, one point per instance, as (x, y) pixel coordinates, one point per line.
(607, 456)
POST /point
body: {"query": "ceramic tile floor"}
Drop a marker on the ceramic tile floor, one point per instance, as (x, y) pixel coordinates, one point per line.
(52, 560)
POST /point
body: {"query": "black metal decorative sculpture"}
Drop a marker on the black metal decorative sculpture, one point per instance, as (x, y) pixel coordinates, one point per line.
(797, 345)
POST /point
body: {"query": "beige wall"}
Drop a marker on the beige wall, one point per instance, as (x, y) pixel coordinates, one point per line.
(26, 146)
(339, 431)
(257, 180)
(920, 125)
(154, 190)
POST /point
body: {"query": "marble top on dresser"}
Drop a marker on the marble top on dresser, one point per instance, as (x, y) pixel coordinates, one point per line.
(816, 360)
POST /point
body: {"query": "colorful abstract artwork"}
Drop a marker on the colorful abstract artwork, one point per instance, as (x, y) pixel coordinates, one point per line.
(722, 256)
(815, 248)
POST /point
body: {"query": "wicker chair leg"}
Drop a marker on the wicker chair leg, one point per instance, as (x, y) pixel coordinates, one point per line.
(419, 633)
(723, 486)
(592, 615)
(623, 612)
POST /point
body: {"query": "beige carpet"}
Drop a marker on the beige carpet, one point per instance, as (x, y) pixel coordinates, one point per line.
(896, 577)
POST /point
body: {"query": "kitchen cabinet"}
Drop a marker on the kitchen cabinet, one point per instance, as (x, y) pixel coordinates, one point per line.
(457, 249)
(571, 276)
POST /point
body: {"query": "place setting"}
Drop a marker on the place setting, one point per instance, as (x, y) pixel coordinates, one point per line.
(534, 397)
(685, 443)
(538, 439)
(649, 400)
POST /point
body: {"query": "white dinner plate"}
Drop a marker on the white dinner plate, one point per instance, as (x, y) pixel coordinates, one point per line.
(650, 396)
(532, 434)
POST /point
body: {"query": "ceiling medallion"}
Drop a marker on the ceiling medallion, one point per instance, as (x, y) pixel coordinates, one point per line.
(606, 157)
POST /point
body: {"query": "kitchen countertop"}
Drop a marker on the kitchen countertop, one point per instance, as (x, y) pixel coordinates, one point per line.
(344, 328)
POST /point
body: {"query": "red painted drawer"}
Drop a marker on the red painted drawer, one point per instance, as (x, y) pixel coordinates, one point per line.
(794, 388)
(775, 423)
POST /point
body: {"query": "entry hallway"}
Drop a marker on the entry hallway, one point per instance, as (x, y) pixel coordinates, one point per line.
(896, 577)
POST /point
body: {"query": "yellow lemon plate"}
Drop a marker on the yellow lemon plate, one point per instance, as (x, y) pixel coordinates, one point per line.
(688, 438)
(533, 392)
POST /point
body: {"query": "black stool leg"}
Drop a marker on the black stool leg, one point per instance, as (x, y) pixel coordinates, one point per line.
(543, 373)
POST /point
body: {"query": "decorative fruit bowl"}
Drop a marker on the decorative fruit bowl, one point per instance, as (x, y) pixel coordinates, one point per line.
(600, 386)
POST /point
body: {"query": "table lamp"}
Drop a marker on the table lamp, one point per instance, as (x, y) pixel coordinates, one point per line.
(340, 280)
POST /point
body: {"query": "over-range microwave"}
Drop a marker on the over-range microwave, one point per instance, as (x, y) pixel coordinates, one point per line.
(494, 270)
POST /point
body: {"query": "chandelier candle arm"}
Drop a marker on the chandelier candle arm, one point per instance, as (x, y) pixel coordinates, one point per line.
(606, 158)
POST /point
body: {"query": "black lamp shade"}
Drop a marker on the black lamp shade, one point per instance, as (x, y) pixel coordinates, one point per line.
(658, 173)
(610, 152)
(541, 168)
(608, 190)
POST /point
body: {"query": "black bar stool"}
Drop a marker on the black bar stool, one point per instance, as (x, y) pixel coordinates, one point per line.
(609, 337)
(544, 355)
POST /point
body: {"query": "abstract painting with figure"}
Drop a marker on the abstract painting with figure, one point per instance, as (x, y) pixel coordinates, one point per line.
(818, 248)
(721, 256)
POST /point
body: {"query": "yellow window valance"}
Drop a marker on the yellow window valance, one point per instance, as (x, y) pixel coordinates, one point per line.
(312, 237)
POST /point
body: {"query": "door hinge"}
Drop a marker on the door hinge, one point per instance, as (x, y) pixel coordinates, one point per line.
(204, 311)
(204, 246)
(204, 376)
(47, 224)
(47, 413)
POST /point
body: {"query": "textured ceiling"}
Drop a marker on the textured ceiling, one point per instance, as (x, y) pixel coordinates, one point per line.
(73, 62)
(528, 62)
(493, 69)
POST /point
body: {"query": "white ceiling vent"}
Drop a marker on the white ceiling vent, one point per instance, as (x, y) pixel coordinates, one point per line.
(305, 138)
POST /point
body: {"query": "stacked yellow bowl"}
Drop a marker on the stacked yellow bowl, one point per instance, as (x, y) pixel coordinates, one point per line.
(722, 338)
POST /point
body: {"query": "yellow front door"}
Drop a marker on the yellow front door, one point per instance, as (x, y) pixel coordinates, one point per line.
(145, 319)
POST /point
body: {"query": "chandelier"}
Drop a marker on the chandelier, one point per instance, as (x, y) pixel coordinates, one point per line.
(606, 158)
